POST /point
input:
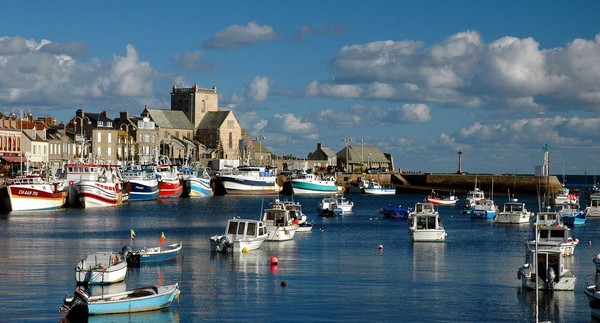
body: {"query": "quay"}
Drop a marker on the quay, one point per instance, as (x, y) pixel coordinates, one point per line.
(423, 183)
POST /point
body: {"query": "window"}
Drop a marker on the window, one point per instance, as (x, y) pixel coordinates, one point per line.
(99, 137)
(147, 138)
(109, 151)
(230, 144)
(100, 123)
(230, 124)
(109, 137)
(241, 228)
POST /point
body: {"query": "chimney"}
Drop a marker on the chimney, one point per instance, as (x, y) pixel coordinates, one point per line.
(104, 113)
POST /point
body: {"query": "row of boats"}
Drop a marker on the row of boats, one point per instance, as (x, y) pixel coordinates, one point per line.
(96, 185)
(109, 267)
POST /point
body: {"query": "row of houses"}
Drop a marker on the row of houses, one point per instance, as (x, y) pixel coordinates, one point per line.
(193, 130)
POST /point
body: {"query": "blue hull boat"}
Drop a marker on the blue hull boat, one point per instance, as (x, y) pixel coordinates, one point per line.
(143, 299)
(394, 212)
(150, 255)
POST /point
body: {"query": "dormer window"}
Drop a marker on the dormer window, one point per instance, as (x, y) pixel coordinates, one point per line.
(109, 124)
(100, 123)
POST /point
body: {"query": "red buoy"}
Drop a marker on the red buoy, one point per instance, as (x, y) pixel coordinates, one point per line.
(274, 261)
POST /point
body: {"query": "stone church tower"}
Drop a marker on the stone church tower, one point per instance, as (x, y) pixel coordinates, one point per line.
(195, 102)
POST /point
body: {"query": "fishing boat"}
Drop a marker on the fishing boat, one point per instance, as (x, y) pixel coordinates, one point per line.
(170, 182)
(137, 257)
(549, 273)
(424, 224)
(375, 188)
(196, 182)
(593, 209)
(101, 268)
(241, 235)
(435, 198)
(513, 212)
(28, 193)
(472, 198)
(141, 185)
(564, 196)
(557, 236)
(484, 209)
(547, 218)
(250, 180)
(394, 212)
(298, 216)
(334, 205)
(94, 185)
(143, 299)
(305, 183)
(279, 223)
(571, 214)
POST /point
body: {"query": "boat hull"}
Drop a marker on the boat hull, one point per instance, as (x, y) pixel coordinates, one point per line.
(34, 197)
(104, 305)
(483, 214)
(237, 185)
(307, 187)
(512, 218)
(97, 194)
(143, 190)
(429, 235)
(154, 254)
(437, 201)
(198, 187)
(380, 191)
(281, 233)
(101, 268)
(170, 188)
(566, 282)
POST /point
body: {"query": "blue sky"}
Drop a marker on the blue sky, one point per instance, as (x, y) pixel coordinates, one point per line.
(419, 79)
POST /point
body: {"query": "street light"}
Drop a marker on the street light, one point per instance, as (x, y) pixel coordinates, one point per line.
(81, 119)
(128, 137)
(347, 140)
(259, 139)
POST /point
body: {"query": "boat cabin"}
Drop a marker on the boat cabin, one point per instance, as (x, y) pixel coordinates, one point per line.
(514, 207)
(277, 216)
(424, 208)
(548, 218)
(240, 228)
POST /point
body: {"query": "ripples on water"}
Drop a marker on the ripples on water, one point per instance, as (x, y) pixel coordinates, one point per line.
(335, 273)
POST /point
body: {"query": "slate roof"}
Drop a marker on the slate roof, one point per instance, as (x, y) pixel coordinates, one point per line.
(213, 119)
(357, 154)
(170, 119)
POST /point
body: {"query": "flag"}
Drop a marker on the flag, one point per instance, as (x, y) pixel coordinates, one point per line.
(132, 235)
(162, 238)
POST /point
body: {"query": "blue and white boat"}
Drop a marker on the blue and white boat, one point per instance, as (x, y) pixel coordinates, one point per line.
(394, 212)
(196, 182)
(484, 209)
(250, 180)
(140, 184)
(305, 183)
(571, 214)
(151, 254)
(142, 299)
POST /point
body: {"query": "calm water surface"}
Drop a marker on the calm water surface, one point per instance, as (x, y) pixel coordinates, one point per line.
(335, 273)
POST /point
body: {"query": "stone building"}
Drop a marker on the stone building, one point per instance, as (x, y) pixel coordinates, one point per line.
(360, 158)
(322, 157)
(175, 134)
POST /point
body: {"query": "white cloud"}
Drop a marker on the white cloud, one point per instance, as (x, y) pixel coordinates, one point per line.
(192, 61)
(333, 90)
(258, 90)
(236, 36)
(414, 113)
(291, 124)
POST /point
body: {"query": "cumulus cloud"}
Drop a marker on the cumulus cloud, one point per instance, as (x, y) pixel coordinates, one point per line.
(48, 74)
(258, 90)
(192, 61)
(291, 124)
(236, 36)
(463, 70)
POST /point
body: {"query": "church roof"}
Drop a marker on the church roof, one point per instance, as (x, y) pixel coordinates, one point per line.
(170, 119)
(213, 119)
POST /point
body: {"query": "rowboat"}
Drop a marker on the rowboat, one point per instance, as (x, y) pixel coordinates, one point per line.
(142, 299)
(151, 254)
(104, 267)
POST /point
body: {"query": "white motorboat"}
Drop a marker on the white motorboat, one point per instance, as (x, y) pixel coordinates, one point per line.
(334, 205)
(550, 272)
(280, 224)
(247, 180)
(424, 224)
(558, 236)
(101, 268)
(375, 188)
(514, 212)
(305, 183)
(296, 213)
(593, 210)
(435, 198)
(241, 235)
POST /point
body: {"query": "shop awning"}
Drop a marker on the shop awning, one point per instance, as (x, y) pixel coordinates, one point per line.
(16, 159)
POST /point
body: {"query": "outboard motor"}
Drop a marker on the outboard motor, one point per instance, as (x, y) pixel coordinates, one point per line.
(133, 259)
(225, 244)
(76, 306)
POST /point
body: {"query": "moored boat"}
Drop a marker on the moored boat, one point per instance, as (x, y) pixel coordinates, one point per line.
(484, 209)
(170, 183)
(550, 272)
(435, 198)
(394, 212)
(196, 182)
(375, 188)
(279, 223)
(424, 224)
(248, 180)
(305, 183)
(557, 236)
(101, 268)
(136, 300)
(513, 212)
(26, 193)
(593, 209)
(140, 184)
(298, 216)
(93, 185)
(241, 235)
(571, 214)
(137, 257)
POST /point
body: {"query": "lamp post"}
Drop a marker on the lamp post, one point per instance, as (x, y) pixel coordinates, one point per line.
(126, 126)
(21, 116)
(347, 140)
(81, 119)
(259, 139)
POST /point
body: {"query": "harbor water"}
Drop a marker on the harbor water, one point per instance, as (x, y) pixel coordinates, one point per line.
(337, 272)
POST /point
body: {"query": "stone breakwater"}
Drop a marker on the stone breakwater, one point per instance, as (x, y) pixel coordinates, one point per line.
(420, 183)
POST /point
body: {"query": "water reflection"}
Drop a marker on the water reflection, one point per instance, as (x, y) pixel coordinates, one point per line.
(161, 316)
(552, 306)
(429, 261)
